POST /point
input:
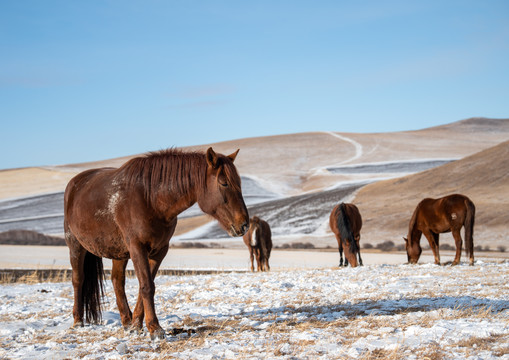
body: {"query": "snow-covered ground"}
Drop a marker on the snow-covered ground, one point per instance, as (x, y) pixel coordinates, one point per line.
(375, 311)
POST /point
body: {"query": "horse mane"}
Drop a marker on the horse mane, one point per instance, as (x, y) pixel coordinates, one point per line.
(230, 172)
(176, 171)
(172, 169)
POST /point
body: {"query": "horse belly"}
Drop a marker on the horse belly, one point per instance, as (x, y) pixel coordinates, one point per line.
(113, 248)
(104, 245)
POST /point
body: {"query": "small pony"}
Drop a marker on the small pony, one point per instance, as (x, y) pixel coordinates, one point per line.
(435, 216)
(131, 213)
(258, 239)
(345, 222)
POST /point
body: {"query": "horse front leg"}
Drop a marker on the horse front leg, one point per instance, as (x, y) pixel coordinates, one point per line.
(459, 243)
(360, 259)
(145, 272)
(118, 280)
(358, 239)
(433, 243)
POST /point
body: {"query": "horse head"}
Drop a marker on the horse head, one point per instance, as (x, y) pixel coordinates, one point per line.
(351, 250)
(413, 250)
(221, 196)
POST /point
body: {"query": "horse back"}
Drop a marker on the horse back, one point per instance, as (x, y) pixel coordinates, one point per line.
(443, 214)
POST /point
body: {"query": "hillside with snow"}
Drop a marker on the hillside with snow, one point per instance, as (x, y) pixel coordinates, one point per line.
(293, 181)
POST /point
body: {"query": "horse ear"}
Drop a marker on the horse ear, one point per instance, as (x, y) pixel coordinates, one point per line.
(406, 240)
(234, 155)
(211, 157)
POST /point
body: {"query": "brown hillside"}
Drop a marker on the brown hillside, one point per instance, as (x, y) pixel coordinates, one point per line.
(292, 164)
(387, 206)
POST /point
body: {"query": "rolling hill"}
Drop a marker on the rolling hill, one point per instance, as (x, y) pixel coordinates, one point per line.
(294, 180)
(484, 177)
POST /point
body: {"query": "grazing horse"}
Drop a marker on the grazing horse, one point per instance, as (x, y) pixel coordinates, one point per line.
(131, 213)
(435, 216)
(345, 222)
(259, 242)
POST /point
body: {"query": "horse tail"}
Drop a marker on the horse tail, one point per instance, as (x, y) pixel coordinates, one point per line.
(93, 289)
(345, 229)
(260, 239)
(265, 240)
(469, 228)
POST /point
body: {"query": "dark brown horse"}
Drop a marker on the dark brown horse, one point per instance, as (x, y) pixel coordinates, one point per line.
(345, 222)
(131, 213)
(259, 242)
(435, 216)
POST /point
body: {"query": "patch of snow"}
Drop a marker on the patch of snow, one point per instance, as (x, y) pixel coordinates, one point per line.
(357, 146)
(411, 311)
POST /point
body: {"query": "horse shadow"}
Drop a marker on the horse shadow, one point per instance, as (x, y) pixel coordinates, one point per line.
(354, 310)
(389, 307)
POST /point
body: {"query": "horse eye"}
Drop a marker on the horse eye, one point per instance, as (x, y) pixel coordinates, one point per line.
(224, 184)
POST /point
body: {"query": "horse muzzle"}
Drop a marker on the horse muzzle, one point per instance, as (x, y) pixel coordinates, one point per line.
(240, 231)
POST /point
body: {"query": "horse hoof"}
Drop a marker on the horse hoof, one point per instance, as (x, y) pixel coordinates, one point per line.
(134, 329)
(158, 334)
(77, 324)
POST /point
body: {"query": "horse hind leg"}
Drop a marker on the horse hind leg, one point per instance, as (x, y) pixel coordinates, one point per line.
(357, 239)
(340, 249)
(259, 259)
(265, 263)
(118, 280)
(77, 258)
(251, 257)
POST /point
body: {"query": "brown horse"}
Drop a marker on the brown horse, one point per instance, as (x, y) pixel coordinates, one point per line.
(345, 222)
(435, 216)
(259, 242)
(131, 213)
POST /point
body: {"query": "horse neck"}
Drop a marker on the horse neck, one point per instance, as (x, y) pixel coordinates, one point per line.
(174, 199)
(413, 237)
(412, 227)
(171, 182)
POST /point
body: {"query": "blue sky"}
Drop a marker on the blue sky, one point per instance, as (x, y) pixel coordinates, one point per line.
(91, 80)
